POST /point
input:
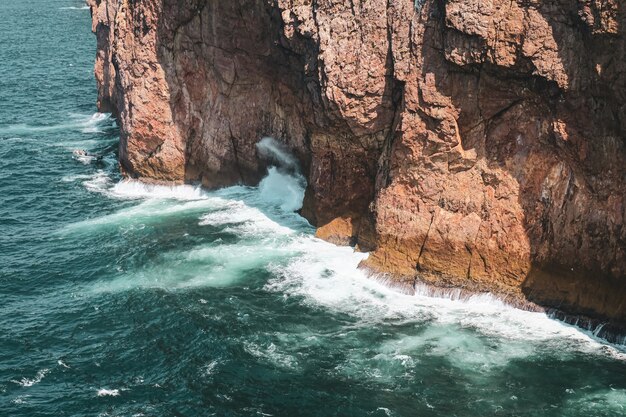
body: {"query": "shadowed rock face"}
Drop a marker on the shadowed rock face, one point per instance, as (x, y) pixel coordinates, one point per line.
(467, 143)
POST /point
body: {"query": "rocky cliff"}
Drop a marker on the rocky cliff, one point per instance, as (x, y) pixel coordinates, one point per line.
(478, 144)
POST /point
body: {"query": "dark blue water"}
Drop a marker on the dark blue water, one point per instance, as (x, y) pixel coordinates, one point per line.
(120, 299)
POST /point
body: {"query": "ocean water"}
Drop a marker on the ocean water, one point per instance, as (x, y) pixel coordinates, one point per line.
(120, 299)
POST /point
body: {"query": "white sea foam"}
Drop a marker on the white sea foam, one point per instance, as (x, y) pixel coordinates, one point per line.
(76, 177)
(270, 353)
(130, 189)
(286, 191)
(26, 382)
(327, 276)
(211, 265)
(206, 266)
(94, 123)
(605, 402)
(387, 411)
(20, 399)
(243, 220)
(105, 392)
(74, 8)
(146, 212)
(99, 182)
(283, 185)
(476, 335)
(137, 190)
(210, 368)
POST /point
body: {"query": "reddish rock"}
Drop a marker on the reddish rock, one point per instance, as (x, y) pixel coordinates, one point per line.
(468, 143)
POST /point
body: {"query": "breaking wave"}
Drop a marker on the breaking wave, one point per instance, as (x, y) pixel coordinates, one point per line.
(94, 123)
(105, 392)
(173, 300)
(271, 237)
(130, 189)
(26, 382)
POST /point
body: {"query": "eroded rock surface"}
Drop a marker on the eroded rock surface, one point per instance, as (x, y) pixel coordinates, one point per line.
(469, 143)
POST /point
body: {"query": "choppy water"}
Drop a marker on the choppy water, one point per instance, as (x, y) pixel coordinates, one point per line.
(125, 300)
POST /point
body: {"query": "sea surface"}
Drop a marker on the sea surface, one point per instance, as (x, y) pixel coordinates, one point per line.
(120, 299)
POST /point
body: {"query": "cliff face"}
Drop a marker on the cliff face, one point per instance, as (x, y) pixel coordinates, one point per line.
(469, 143)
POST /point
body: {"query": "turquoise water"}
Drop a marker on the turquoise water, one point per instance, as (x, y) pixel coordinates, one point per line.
(120, 299)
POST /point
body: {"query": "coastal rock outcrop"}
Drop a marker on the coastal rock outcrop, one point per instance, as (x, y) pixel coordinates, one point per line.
(464, 143)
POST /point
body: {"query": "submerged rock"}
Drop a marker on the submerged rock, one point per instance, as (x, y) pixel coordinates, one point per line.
(464, 143)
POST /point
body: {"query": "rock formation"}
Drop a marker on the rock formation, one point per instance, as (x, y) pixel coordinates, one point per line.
(478, 144)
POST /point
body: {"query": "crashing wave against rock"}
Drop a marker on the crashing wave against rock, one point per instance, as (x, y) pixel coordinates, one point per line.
(465, 144)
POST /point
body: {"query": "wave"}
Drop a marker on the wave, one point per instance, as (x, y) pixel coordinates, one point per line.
(131, 189)
(105, 392)
(271, 237)
(327, 276)
(147, 212)
(611, 401)
(101, 182)
(284, 184)
(271, 354)
(94, 123)
(210, 266)
(26, 382)
(243, 220)
(74, 8)
(98, 182)
(210, 368)
(76, 177)
(286, 191)
(477, 335)
(239, 211)
(20, 399)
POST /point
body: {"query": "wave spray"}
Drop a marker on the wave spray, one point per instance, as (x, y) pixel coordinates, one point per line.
(284, 184)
